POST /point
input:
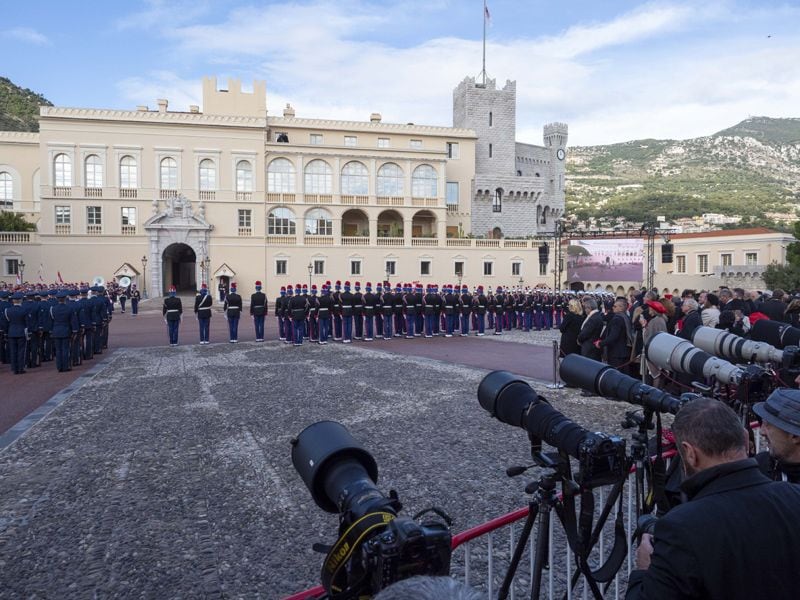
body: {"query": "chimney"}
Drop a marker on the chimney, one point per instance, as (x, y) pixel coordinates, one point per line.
(288, 112)
(142, 108)
(162, 105)
(194, 108)
(375, 118)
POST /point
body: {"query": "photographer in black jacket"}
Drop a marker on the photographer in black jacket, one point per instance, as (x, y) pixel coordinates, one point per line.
(735, 536)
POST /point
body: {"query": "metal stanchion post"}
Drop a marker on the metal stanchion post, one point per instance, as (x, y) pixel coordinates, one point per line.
(556, 385)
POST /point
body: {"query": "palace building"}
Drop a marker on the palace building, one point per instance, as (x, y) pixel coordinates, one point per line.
(232, 192)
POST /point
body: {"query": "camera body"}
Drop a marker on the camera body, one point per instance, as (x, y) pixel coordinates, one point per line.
(602, 460)
(406, 548)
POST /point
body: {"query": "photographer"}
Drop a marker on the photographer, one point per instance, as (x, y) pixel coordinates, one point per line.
(780, 416)
(731, 539)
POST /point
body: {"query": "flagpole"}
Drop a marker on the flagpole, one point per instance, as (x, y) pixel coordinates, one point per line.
(483, 71)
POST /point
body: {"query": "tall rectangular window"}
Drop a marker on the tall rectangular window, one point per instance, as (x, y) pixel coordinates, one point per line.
(491, 119)
(128, 215)
(452, 150)
(516, 268)
(490, 151)
(452, 193)
(280, 267)
(751, 258)
(391, 267)
(727, 260)
(424, 267)
(355, 267)
(94, 215)
(488, 267)
(458, 268)
(542, 268)
(12, 266)
(383, 142)
(702, 263)
(680, 264)
(63, 215)
(245, 217)
(319, 267)
(497, 201)
(316, 139)
(350, 141)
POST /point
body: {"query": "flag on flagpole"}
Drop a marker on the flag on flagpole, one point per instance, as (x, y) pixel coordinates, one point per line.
(60, 280)
(486, 14)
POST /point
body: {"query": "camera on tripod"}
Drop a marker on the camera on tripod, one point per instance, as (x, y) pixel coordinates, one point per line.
(377, 546)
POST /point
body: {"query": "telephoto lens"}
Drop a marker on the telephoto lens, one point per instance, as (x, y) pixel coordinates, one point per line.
(604, 380)
(733, 347)
(778, 334)
(675, 354)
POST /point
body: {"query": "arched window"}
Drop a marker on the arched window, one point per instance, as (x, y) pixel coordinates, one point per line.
(281, 221)
(62, 171)
(318, 222)
(244, 176)
(497, 200)
(169, 174)
(355, 179)
(280, 176)
(6, 190)
(318, 178)
(128, 172)
(94, 172)
(424, 182)
(390, 180)
(208, 175)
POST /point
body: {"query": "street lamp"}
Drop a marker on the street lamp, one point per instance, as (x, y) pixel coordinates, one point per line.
(310, 270)
(144, 277)
(206, 270)
(21, 271)
(521, 281)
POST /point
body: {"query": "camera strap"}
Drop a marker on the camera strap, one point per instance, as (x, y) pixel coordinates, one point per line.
(334, 574)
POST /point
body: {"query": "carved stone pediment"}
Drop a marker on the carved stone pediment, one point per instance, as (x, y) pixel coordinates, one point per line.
(178, 214)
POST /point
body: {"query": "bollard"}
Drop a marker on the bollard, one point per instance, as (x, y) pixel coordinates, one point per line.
(556, 385)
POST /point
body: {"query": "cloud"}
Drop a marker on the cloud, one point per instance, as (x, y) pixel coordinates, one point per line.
(163, 14)
(660, 70)
(161, 84)
(27, 35)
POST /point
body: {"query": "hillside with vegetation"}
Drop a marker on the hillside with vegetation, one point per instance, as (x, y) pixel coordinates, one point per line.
(751, 170)
(19, 107)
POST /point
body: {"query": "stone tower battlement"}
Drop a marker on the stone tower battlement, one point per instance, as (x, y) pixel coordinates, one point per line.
(233, 101)
(556, 134)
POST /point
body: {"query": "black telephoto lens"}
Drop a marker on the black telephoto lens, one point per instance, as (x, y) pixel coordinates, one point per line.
(774, 333)
(506, 397)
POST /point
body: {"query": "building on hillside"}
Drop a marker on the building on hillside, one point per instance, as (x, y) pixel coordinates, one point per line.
(232, 192)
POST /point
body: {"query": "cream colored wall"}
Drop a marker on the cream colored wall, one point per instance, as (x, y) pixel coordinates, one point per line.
(19, 156)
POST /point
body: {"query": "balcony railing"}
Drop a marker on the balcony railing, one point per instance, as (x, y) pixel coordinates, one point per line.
(245, 231)
(282, 240)
(318, 240)
(390, 241)
(426, 202)
(129, 230)
(94, 230)
(128, 193)
(207, 195)
(424, 242)
(487, 243)
(167, 194)
(353, 240)
(390, 200)
(459, 243)
(93, 192)
(356, 200)
(452, 208)
(63, 229)
(739, 270)
(280, 198)
(244, 196)
(62, 191)
(15, 237)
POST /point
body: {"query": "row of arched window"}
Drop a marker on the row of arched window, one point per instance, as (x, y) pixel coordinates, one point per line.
(318, 221)
(6, 190)
(281, 176)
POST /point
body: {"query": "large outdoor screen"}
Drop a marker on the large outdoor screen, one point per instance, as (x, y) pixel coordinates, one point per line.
(603, 260)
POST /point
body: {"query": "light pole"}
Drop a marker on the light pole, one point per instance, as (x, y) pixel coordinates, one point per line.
(207, 270)
(310, 270)
(144, 277)
(388, 272)
(21, 267)
(558, 262)
(521, 281)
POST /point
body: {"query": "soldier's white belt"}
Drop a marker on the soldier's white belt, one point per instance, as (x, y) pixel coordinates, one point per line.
(173, 310)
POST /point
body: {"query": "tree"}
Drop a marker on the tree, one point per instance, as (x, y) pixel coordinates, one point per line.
(793, 249)
(786, 277)
(11, 221)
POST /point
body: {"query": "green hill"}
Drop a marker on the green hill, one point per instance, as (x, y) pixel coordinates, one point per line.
(751, 170)
(19, 107)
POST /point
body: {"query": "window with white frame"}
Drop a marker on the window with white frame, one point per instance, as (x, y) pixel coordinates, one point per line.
(319, 222)
(424, 182)
(355, 267)
(208, 175)
(391, 267)
(94, 215)
(62, 171)
(319, 266)
(452, 193)
(488, 268)
(516, 268)
(350, 141)
(63, 215)
(390, 180)
(318, 177)
(542, 268)
(129, 215)
(383, 142)
(453, 150)
(281, 221)
(415, 144)
(11, 266)
(424, 267)
(702, 263)
(245, 217)
(280, 176)
(6, 190)
(355, 179)
(726, 259)
(169, 174)
(751, 258)
(128, 172)
(94, 172)
(315, 139)
(680, 264)
(280, 266)
(458, 268)
(244, 176)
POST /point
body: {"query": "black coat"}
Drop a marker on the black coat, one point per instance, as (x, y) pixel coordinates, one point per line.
(774, 309)
(570, 328)
(615, 339)
(589, 333)
(735, 538)
(691, 321)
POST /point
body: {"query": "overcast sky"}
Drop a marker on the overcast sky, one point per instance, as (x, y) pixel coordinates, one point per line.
(614, 70)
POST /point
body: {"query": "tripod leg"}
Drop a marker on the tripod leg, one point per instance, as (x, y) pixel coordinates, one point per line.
(542, 546)
(533, 510)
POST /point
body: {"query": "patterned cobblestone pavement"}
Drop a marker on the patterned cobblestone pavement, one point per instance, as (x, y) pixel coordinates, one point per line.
(169, 475)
